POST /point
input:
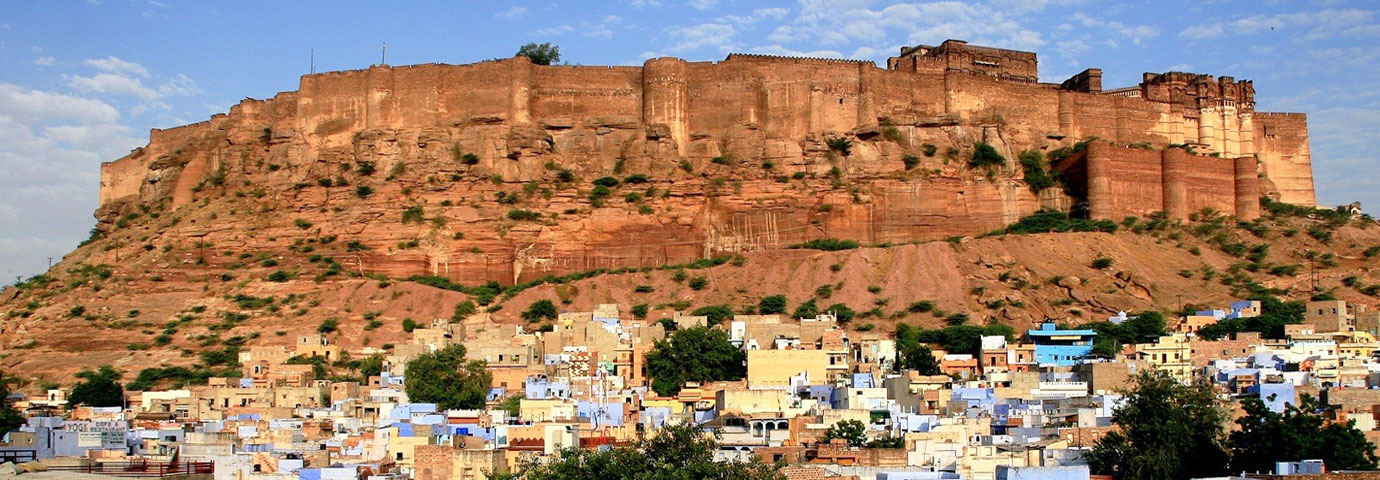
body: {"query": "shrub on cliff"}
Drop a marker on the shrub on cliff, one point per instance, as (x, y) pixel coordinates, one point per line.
(364, 191)
(609, 182)
(521, 215)
(985, 155)
(540, 309)
(1033, 162)
(826, 244)
(840, 144)
(540, 53)
(911, 161)
(1049, 220)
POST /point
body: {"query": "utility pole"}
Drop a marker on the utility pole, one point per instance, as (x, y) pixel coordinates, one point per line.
(313, 60)
(50, 263)
(383, 59)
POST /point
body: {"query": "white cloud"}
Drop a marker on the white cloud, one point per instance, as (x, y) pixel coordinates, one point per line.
(44, 61)
(513, 12)
(1136, 33)
(786, 52)
(554, 31)
(705, 35)
(116, 65)
(113, 84)
(26, 105)
(639, 4)
(1326, 23)
(51, 147)
(703, 4)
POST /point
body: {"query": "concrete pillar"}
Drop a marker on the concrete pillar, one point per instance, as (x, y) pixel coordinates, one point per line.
(520, 91)
(1099, 163)
(666, 97)
(1175, 167)
(1247, 189)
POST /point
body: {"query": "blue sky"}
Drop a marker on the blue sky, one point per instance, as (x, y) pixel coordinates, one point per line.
(82, 82)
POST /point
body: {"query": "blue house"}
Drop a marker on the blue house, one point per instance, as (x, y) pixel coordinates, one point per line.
(1061, 348)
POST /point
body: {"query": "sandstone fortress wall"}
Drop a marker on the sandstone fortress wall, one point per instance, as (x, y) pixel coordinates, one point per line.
(519, 119)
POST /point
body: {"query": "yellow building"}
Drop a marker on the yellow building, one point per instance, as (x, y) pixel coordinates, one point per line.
(1170, 354)
(774, 368)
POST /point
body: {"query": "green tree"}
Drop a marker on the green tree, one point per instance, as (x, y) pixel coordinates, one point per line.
(540, 309)
(540, 53)
(852, 431)
(513, 404)
(771, 305)
(842, 312)
(99, 388)
(695, 354)
(715, 313)
(674, 452)
(1297, 433)
(9, 417)
(1169, 430)
(444, 377)
(369, 366)
(807, 309)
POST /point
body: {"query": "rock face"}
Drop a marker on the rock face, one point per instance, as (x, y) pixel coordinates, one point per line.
(484, 171)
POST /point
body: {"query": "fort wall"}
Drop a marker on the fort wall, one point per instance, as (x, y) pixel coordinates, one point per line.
(787, 98)
(1128, 181)
(518, 118)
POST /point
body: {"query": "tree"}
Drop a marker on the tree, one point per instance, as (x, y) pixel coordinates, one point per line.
(100, 388)
(714, 314)
(852, 431)
(841, 312)
(918, 356)
(695, 354)
(444, 377)
(540, 53)
(540, 309)
(807, 309)
(1297, 433)
(1169, 430)
(772, 304)
(674, 452)
(9, 417)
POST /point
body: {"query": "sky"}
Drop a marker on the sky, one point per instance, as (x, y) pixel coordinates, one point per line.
(82, 82)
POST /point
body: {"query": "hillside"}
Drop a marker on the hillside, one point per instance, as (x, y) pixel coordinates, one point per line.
(164, 308)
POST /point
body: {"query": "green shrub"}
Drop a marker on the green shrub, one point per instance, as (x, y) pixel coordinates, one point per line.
(328, 325)
(413, 214)
(609, 182)
(521, 215)
(826, 244)
(1032, 161)
(363, 191)
(635, 179)
(840, 144)
(910, 161)
(639, 311)
(469, 159)
(281, 276)
(1049, 220)
(1102, 263)
(540, 309)
(774, 304)
(985, 155)
(698, 283)
(921, 306)
(929, 149)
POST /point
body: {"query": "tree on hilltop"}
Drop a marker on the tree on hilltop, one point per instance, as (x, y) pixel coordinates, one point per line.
(540, 53)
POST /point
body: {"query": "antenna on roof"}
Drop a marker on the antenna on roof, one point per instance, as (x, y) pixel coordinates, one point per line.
(383, 60)
(313, 60)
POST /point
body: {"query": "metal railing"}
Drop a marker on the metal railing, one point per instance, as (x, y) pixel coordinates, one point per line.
(140, 468)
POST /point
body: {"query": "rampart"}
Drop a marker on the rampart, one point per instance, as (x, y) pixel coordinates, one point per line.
(787, 98)
(1125, 181)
